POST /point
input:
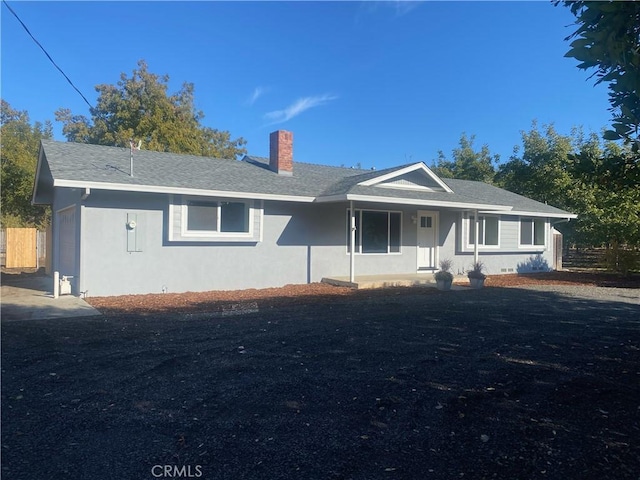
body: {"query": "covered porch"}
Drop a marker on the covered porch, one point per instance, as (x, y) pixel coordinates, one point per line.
(380, 257)
(391, 280)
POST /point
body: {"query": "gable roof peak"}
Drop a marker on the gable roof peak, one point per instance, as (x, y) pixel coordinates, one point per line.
(393, 178)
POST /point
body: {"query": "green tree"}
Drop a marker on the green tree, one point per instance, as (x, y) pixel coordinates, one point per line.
(608, 39)
(467, 163)
(608, 202)
(19, 146)
(540, 173)
(575, 173)
(140, 108)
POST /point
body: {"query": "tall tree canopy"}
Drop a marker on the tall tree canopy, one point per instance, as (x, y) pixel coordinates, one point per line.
(19, 145)
(575, 173)
(467, 163)
(608, 39)
(608, 201)
(140, 108)
(540, 172)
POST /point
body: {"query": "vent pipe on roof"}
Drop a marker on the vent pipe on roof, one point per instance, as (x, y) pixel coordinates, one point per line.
(281, 152)
(132, 147)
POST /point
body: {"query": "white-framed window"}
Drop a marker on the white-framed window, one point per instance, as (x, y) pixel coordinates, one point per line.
(377, 231)
(216, 218)
(488, 231)
(533, 232)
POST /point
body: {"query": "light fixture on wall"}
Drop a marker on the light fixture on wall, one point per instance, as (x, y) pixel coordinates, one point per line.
(414, 219)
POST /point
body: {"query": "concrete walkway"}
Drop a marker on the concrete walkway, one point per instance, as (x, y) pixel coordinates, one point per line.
(29, 297)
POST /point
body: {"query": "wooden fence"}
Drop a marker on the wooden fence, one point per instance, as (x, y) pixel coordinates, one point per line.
(25, 248)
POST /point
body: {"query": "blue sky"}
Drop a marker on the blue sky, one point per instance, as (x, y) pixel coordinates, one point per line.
(375, 83)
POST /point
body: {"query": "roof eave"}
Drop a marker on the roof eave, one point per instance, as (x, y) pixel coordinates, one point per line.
(180, 191)
(413, 201)
(525, 213)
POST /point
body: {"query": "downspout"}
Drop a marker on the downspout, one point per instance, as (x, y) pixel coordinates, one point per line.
(553, 224)
(80, 239)
(475, 234)
(55, 242)
(81, 287)
(352, 244)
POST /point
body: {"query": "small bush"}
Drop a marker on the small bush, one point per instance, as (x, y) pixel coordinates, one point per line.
(446, 265)
(476, 270)
(444, 274)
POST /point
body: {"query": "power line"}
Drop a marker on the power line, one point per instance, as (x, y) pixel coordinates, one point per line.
(46, 53)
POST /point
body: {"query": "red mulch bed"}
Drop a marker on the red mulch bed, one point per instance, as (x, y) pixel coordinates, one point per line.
(596, 279)
(215, 301)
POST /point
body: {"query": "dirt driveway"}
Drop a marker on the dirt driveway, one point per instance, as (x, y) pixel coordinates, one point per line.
(529, 383)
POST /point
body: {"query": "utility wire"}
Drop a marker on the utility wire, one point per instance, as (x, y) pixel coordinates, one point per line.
(47, 54)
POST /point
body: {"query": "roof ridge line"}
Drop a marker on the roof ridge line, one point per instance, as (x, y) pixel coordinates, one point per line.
(296, 162)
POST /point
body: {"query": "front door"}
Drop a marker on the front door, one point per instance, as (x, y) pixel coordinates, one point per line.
(427, 240)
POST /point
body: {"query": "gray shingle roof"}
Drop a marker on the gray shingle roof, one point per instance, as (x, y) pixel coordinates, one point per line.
(485, 193)
(96, 165)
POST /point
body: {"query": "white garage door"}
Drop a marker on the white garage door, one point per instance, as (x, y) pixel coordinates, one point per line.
(67, 241)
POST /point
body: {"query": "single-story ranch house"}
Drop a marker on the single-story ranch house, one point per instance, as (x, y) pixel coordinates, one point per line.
(129, 222)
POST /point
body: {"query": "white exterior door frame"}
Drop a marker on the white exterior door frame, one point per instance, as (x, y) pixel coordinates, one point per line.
(427, 235)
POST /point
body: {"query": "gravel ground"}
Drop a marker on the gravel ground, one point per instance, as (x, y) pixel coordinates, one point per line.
(589, 292)
(531, 382)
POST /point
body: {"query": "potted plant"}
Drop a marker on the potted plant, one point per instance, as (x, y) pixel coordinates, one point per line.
(476, 277)
(444, 277)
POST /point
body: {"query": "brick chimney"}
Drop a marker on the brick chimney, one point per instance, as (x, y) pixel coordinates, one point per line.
(281, 152)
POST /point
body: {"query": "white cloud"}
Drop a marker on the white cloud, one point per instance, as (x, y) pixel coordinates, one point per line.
(403, 7)
(399, 7)
(299, 106)
(257, 93)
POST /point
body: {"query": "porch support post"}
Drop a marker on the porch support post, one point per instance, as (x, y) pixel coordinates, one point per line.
(352, 243)
(475, 240)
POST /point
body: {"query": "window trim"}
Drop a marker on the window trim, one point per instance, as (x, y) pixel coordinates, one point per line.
(533, 245)
(215, 234)
(358, 245)
(467, 230)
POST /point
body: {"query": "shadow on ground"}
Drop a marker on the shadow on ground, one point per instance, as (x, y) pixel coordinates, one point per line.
(28, 296)
(494, 383)
(36, 280)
